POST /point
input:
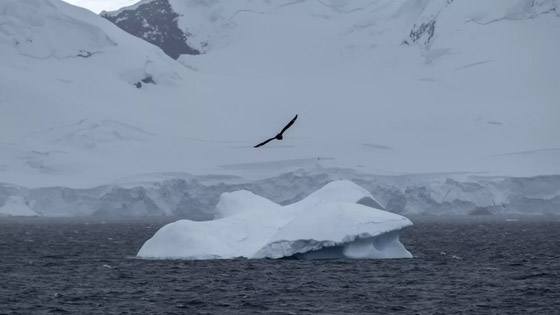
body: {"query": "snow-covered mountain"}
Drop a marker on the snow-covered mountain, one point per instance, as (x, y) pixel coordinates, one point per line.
(387, 87)
(75, 92)
(416, 86)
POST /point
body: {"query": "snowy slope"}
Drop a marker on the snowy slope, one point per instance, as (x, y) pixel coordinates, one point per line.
(381, 87)
(74, 88)
(399, 86)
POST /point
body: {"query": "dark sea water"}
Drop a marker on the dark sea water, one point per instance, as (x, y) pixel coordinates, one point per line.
(464, 265)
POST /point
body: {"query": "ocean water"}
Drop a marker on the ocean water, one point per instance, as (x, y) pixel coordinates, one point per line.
(461, 265)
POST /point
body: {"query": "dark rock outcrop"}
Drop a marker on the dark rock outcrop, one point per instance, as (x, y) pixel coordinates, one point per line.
(156, 23)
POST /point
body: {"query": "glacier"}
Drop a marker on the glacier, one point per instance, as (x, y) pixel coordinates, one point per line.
(194, 197)
(331, 223)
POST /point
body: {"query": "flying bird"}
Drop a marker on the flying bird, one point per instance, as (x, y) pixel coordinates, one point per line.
(278, 136)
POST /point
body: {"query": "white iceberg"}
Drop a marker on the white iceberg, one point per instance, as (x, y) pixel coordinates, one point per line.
(336, 221)
(16, 206)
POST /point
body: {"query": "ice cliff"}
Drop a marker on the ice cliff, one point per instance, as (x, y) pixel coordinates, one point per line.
(195, 197)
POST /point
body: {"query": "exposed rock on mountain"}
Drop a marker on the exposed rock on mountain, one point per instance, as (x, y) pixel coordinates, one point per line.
(155, 22)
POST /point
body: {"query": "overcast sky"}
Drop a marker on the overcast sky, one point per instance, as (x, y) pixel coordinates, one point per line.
(100, 5)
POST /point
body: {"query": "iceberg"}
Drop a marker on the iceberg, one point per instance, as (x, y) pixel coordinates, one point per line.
(16, 206)
(335, 222)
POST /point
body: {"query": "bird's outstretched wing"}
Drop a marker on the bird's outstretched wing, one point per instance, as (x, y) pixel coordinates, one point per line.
(289, 125)
(265, 142)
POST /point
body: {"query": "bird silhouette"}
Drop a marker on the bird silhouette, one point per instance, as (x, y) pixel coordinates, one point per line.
(278, 136)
